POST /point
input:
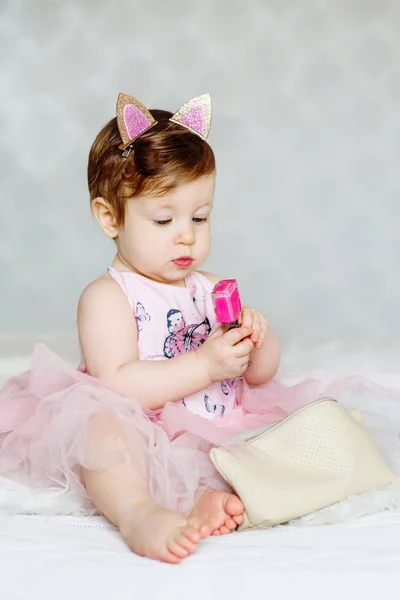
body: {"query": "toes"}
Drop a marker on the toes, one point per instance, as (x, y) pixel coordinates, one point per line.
(221, 531)
(224, 530)
(186, 543)
(192, 533)
(168, 557)
(179, 551)
(231, 524)
(204, 530)
(238, 519)
(233, 506)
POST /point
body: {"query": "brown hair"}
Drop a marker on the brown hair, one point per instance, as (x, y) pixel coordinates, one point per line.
(163, 157)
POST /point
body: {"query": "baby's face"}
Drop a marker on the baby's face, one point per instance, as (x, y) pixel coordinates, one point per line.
(158, 231)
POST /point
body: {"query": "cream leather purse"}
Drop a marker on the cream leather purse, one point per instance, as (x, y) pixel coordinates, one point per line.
(317, 456)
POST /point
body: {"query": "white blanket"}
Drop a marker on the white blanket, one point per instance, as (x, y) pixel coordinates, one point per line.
(61, 558)
(69, 554)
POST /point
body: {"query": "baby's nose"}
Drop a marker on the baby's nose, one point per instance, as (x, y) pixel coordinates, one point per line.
(187, 235)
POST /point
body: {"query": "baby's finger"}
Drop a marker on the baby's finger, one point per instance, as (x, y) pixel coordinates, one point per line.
(217, 333)
(244, 348)
(260, 340)
(247, 317)
(263, 333)
(256, 330)
(235, 335)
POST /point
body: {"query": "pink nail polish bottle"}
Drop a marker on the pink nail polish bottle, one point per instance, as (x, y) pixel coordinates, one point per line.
(226, 301)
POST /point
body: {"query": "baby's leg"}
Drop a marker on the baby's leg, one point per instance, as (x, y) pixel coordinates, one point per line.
(120, 493)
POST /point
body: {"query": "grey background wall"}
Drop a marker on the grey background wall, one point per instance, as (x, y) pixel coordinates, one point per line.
(306, 130)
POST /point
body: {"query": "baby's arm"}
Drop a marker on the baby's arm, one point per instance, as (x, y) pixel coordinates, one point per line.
(264, 361)
(108, 339)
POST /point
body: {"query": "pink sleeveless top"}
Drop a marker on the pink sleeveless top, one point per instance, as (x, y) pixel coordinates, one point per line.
(172, 320)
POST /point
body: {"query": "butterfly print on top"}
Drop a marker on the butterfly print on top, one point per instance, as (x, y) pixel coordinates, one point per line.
(184, 338)
(212, 407)
(229, 384)
(141, 316)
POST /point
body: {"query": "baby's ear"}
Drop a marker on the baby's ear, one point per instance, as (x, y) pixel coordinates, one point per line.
(105, 215)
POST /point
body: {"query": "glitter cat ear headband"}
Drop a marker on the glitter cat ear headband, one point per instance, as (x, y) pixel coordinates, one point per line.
(133, 118)
(195, 115)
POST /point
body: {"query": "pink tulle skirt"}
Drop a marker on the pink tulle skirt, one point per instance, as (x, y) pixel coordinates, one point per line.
(56, 420)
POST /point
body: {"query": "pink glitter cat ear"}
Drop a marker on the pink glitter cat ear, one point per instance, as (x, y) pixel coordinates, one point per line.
(133, 119)
(195, 115)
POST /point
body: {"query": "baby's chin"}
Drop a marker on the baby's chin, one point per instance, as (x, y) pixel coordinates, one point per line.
(168, 278)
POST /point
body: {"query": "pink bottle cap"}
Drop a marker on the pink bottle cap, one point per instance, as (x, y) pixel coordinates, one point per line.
(226, 301)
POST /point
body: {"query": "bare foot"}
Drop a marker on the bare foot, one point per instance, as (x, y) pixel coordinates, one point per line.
(221, 511)
(161, 534)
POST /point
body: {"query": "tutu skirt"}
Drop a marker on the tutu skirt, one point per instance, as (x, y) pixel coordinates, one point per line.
(56, 420)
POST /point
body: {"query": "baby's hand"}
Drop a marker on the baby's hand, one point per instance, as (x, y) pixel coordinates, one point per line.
(257, 323)
(226, 355)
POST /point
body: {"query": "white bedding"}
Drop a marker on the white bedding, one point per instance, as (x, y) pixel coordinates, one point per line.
(63, 556)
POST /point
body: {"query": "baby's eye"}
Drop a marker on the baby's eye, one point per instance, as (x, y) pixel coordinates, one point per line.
(199, 220)
(163, 222)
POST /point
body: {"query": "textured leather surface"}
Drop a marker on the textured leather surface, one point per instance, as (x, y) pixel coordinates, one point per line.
(316, 457)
